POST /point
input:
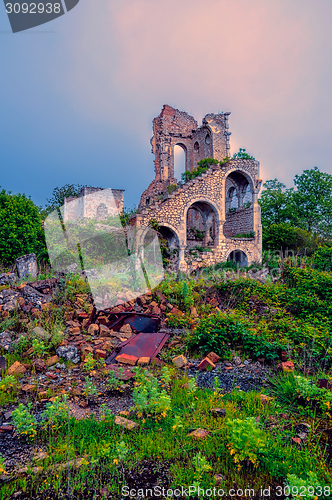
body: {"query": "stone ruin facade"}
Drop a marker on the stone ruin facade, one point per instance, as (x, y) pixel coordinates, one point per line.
(212, 218)
(93, 203)
(211, 211)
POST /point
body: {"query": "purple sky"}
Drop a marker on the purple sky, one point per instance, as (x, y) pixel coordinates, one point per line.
(78, 94)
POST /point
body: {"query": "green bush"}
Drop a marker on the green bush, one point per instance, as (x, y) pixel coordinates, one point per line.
(216, 332)
(242, 154)
(323, 259)
(284, 236)
(21, 229)
(148, 395)
(24, 422)
(202, 166)
(247, 441)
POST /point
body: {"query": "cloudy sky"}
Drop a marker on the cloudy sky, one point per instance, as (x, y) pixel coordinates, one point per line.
(78, 95)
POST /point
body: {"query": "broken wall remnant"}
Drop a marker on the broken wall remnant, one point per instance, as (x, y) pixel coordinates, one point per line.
(93, 203)
(210, 210)
(27, 266)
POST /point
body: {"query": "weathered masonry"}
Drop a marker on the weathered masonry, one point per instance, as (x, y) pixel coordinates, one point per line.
(93, 203)
(213, 210)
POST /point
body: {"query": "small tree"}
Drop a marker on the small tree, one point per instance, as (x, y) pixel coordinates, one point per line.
(20, 227)
(58, 197)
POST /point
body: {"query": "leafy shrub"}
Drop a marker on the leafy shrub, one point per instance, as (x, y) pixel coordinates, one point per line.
(284, 236)
(201, 465)
(8, 383)
(323, 259)
(216, 332)
(114, 383)
(305, 488)
(247, 441)
(24, 422)
(149, 397)
(202, 166)
(245, 235)
(39, 348)
(89, 388)
(56, 412)
(20, 228)
(242, 154)
(2, 465)
(171, 188)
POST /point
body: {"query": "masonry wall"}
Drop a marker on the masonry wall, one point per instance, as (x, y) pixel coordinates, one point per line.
(241, 221)
(210, 188)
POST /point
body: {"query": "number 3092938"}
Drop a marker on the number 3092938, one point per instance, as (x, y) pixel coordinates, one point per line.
(33, 8)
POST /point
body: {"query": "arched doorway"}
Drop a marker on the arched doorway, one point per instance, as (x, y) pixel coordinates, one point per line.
(179, 161)
(239, 257)
(239, 213)
(169, 245)
(201, 225)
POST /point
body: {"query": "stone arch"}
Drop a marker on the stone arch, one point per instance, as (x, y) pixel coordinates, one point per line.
(239, 257)
(202, 223)
(238, 191)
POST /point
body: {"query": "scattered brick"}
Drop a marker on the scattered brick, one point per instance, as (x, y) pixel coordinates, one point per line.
(205, 364)
(52, 361)
(127, 359)
(180, 361)
(16, 369)
(212, 356)
(124, 422)
(144, 360)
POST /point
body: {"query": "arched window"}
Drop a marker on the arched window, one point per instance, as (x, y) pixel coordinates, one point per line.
(179, 161)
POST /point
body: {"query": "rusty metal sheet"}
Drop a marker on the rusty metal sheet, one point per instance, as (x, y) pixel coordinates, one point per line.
(142, 344)
(139, 322)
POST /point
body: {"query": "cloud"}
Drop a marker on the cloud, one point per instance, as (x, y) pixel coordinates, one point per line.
(264, 61)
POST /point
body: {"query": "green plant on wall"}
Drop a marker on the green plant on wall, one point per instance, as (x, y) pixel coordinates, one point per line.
(242, 154)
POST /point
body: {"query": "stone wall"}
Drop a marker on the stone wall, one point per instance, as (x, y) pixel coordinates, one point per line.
(239, 222)
(96, 203)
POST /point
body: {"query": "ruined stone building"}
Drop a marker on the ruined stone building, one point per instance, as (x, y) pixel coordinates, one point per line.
(218, 210)
(215, 215)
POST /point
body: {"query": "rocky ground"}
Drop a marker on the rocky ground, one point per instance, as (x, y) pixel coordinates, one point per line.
(63, 370)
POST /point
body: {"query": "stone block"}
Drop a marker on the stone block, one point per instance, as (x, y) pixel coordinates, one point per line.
(107, 346)
(41, 333)
(144, 360)
(52, 361)
(206, 364)
(16, 369)
(124, 422)
(180, 361)
(127, 359)
(199, 433)
(100, 353)
(40, 365)
(126, 329)
(212, 356)
(27, 266)
(104, 331)
(287, 366)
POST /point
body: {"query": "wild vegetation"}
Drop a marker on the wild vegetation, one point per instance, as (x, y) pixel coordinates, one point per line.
(276, 436)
